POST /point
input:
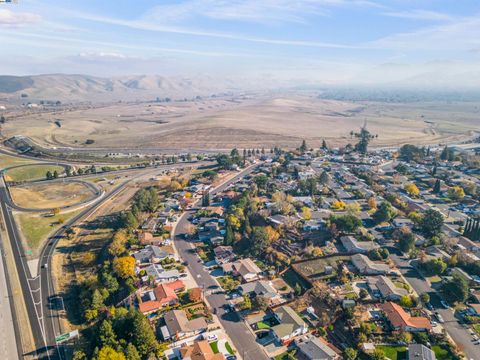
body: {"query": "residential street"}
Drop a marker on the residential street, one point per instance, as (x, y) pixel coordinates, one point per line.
(237, 330)
(457, 331)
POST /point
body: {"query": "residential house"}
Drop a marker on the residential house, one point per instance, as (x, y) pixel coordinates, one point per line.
(352, 245)
(246, 269)
(261, 288)
(161, 296)
(147, 238)
(279, 220)
(314, 348)
(159, 274)
(177, 325)
(150, 254)
(290, 325)
(420, 352)
(385, 288)
(224, 254)
(200, 350)
(366, 266)
(401, 320)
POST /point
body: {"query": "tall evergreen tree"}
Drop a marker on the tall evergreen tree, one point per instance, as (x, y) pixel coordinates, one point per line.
(436, 187)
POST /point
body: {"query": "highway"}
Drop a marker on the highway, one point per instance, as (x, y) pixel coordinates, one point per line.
(8, 344)
(237, 330)
(42, 303)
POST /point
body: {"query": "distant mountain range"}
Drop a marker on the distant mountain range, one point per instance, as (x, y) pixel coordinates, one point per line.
(77, 88)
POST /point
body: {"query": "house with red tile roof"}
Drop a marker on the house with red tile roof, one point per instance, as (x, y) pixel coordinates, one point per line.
(161, 296)
(401, 320)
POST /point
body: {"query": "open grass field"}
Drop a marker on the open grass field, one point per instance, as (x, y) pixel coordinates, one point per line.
(36, 227)
(34, 172)
(49, 196)
(8, 161)
(246, 122)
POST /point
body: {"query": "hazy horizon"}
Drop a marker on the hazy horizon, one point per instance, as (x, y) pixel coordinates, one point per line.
(307, 42)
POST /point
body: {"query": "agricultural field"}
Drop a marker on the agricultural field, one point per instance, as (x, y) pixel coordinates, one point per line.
(315, 269)
(36, 227)
(34, 172)
(51, 195)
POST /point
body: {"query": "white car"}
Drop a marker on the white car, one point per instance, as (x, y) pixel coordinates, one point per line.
(212, 337)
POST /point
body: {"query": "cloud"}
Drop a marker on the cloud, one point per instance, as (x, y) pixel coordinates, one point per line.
(13, 19)
(461, 35)
(265, 11)
(420, 15)
(151, 26)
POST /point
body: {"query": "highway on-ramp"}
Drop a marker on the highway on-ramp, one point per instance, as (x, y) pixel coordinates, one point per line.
(42, 304)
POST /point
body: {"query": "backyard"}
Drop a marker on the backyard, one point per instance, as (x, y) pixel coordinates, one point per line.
(316, 268)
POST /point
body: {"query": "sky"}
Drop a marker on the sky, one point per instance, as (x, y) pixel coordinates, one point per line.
(339, 42)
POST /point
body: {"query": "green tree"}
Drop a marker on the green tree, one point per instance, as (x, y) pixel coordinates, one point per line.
(106, 335)
(434, 267)
(49, 175)
(406, 240)
(431, 223)
(348, 223)
(456, 289)
(364, 138)
(131, 352)
(97, 300)
(143, 337)
(437, 186)
(303, 147)
(425, 298)
(259, 240)
(406, 301)
(385, 212)
(350, 354)
(378, 354)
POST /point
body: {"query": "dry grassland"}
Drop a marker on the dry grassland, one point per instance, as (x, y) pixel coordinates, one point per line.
(263, 121)
(48, 196)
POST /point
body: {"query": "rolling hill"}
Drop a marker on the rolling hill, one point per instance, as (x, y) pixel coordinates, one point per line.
(75, 88)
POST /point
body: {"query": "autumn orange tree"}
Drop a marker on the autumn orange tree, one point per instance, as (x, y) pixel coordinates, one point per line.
(124, 266)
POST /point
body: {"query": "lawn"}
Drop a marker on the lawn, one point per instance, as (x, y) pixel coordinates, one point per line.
(36, 227)
(476, 327)
(229, 348)
(214, 346)
(394, 352)
(442, 353)
(34, 172)
(261, 325)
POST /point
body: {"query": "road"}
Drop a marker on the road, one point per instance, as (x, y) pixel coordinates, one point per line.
(457, 331)
(8, 344)
(237, 330)
(42, 303)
